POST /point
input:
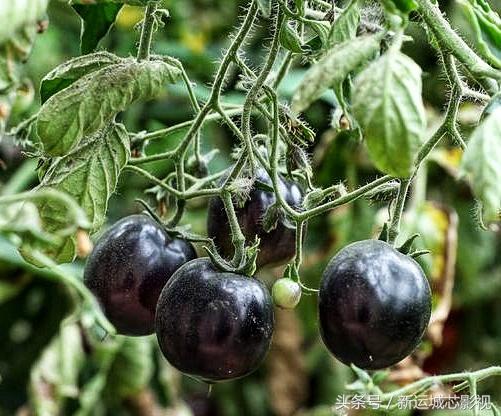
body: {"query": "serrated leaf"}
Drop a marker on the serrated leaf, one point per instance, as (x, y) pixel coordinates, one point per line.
(486, 27)
(333, 69)
(66, 74)
(345, 26)
(15, 14)
(387, 104)
(89, 174)
(97, 20)
(264, 7)
(90, 103)
(481, 165)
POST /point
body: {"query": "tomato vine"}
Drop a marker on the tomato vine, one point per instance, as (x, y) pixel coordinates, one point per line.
(83, 150)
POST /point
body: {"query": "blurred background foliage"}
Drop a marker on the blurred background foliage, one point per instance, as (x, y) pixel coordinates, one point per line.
(52, 363)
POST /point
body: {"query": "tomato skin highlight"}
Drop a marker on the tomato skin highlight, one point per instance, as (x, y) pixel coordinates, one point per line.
(212, 325)
(128, 268)
(277, 246)
(374, 305)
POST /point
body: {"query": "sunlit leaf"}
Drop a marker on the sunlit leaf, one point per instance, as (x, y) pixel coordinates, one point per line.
(387, 104)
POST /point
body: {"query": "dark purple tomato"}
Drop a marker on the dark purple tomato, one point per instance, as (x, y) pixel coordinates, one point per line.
(128, 269)
(212, 325)
(278, 245)
(374, 305)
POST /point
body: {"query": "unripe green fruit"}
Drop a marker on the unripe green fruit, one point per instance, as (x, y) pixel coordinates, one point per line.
(286, 293)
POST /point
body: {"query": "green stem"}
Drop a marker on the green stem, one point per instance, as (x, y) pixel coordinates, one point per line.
(298, 259)
(77, 214)
(237, 237)
(258, 84)
(143, 53)
(451, 41)
(396, 217)
(429, 382)
(349, 197)
(283, 70)
(25, 175)
(160, 134)
(274, 158)
(232, 52)
(76, 284)
(190, 193)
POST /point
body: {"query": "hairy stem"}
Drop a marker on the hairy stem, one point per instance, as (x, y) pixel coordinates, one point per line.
(394, 228)
(144, 50)
(452, 42)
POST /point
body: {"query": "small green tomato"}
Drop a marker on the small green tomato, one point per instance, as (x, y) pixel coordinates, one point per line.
(286, 293)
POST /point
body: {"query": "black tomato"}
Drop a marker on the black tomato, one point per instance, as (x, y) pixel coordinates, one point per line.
(278, 245)
(374, 305)
(128, 269)
(212, 325)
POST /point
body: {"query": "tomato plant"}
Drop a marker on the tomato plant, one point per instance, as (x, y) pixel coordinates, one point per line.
(375, 126)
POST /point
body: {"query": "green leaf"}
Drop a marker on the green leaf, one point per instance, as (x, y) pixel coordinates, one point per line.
(264, 7)
(90, 103)
(15, 14)
(21, 42)
(387, 104)
(486, 26)
(129, 2)
(132, 368)
(6, 75)
(97, 20)
(400, 7)
(89, 174)
(321, 28)
(290, 40)
(492, 106)
(345, 26)
(66, 74)
(333, 69)
(54, 377)
(481, 165)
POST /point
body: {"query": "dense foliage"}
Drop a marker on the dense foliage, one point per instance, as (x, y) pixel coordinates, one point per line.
(269, 135)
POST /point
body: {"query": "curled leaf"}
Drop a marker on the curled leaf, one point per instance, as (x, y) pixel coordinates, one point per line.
(87, 105)
(66, 74)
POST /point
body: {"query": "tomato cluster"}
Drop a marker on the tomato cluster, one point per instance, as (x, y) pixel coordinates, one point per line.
(374, 302)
